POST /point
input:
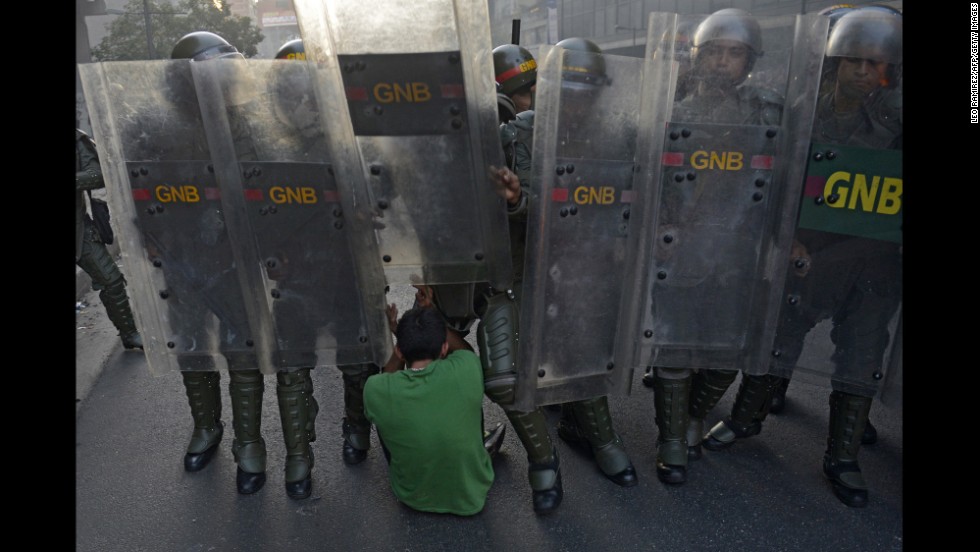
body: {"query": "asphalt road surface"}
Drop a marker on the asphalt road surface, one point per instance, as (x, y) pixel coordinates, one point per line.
(765, 493)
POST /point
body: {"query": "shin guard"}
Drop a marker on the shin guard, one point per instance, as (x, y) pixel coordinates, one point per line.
(497, 338)
(532, 430)
(752, 402)
(204, 397)
(297, 411)
(670, 398)
(246, 390)
(355, 427)
(117, 308)
(595, 424)
(848, 418)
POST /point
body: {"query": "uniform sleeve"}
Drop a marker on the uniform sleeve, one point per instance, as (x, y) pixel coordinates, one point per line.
(89, 173)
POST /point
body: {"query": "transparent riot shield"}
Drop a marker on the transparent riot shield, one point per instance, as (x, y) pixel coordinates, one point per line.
(714, 215)
(417, 78)
(843, 295)
(321, 290)
(586, 123)
(182, 259)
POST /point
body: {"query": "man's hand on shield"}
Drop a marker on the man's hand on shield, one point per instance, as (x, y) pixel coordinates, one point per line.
(508, 184)
(423, 296)
(392, 312)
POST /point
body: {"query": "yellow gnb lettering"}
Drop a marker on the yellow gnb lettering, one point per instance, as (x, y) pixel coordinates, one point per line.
(285, 194)
(586, 195)
(891, 196)
(723, 160)
(886, 192)
(183, 194)
(409, 92)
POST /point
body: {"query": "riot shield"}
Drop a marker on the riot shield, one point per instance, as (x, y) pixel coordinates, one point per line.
(586, 123)
(843, 291)
(181, 258)
(714, 215)
(420, 98)
(842, 315)
(321, 290)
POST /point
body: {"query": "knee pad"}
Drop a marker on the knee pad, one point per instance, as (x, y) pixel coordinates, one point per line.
(245, 378)
(295, 380)
(672, 373)
(497, 338)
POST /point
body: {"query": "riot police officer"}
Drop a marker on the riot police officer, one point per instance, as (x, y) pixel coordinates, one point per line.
(294, 389)
(854, 280)
(91, 253)
(246, 385)
(724, 50)
(886, 103)
(355, 427)
(586, 423)
(515, 72)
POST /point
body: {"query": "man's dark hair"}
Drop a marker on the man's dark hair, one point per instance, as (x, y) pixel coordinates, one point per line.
(420, 334)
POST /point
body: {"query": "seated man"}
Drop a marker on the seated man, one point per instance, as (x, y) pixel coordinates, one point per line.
(429, 418)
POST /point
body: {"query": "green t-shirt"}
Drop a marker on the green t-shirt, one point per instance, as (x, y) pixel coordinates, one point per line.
(431, 422)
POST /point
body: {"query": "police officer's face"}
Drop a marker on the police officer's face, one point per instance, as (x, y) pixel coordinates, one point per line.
(522, 99)
(724, 60)
(860, 77)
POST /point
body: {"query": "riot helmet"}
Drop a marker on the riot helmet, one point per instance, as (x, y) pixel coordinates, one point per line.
(292, 49)
(729, 29)
(835, 12)
(883, 9)
(583, 66)
(514, 68)
(869, 34)
(203, 45)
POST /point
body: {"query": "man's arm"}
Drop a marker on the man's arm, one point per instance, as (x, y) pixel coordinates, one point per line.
(394, 363)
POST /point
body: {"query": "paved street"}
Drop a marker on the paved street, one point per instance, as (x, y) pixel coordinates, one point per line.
(765, 493)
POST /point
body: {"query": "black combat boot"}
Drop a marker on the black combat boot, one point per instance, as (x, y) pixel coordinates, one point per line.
(707, 388)
(297, 409)
(356, 428)
(116, 304)
(542, 459)
(246, 389)
(588, 425)
(648, 376)
(848, 418)
(204, 396)
(546, 489)
(748, 412)
(494, 439)
(778, 401)
(670, 402)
